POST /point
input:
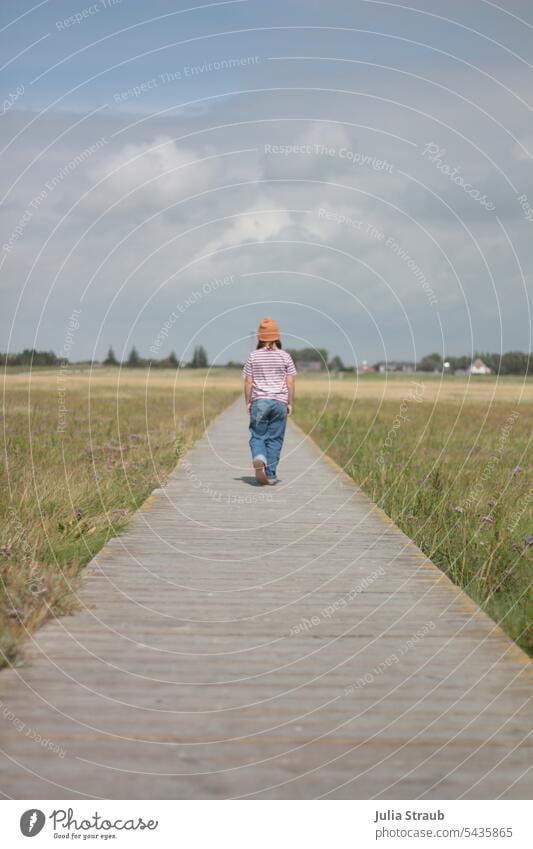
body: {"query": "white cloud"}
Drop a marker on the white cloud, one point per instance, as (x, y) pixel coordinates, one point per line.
(279, 201)
(259, 223)
(152, 174)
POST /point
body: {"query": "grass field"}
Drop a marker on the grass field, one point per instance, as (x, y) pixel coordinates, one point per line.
(446, 459)
(450, 463)
(72, 479)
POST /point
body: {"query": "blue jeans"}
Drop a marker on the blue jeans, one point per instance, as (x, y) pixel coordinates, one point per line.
(268, 419)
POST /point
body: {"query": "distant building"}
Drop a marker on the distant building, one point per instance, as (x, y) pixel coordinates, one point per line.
(364, 368)
(308, 365)
(479, 367)
(395, 365)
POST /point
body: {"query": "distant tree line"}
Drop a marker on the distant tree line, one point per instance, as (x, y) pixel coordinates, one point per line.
(512, 362)
(199, 360)
(30, 357)
(134, 360)
(320, 356)
(310, 355)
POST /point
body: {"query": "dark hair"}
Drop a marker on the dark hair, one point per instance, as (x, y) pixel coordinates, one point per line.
(276, 342)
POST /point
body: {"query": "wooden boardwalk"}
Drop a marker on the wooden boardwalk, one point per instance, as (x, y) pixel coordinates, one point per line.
(281, 642)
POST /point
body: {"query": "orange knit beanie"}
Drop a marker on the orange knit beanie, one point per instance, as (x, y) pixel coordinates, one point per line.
(268, 330)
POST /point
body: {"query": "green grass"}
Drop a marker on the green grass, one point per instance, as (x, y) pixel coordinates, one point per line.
(455, 478)
(445, 474)
(63, 495)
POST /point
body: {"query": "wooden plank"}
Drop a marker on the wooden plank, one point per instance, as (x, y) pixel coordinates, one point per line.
(289, 642)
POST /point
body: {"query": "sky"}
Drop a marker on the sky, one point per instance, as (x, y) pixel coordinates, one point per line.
(173, 172)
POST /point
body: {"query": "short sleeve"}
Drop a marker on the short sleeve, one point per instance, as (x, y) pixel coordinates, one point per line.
(247, 370)
(291, 368)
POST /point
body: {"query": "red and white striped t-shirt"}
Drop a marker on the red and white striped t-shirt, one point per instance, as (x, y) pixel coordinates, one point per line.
(269, 369)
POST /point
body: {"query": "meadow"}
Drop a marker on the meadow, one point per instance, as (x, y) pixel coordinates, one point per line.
(80, 453)
(447, 459)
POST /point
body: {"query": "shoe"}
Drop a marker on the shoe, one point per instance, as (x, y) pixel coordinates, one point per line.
(260, 471)
(272, 481)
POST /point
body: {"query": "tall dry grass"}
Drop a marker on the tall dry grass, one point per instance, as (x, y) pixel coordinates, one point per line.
(455, 475)
(453, 469)
(64, 493)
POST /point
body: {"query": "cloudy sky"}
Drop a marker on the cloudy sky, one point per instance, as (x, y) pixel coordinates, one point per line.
(360, 170)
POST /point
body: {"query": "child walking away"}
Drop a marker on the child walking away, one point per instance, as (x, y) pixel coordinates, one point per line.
(269, 393)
